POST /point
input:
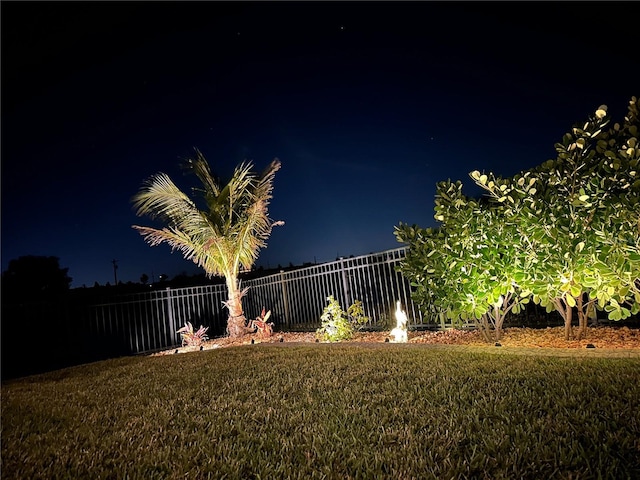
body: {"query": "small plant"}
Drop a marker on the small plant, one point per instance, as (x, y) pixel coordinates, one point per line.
(384, 321)
(339, 325)
(356, 315)
(191, 338)
(264, 329)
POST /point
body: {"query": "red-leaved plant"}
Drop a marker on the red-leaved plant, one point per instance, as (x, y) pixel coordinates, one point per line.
(191, 338)
(264, 328)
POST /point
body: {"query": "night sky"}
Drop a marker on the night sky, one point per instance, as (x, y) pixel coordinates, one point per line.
(368, 105)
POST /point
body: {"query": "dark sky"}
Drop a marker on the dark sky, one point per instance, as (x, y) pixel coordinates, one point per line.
(367, 105)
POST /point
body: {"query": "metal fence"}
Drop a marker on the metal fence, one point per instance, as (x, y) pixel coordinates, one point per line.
(149, 321)
(297, 298)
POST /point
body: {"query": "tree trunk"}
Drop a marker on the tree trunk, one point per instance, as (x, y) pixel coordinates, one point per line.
(499, 314)
(498, 319)
(483, 325)
(236, 323)
(568, 332)
(566, 312)
(582, 319)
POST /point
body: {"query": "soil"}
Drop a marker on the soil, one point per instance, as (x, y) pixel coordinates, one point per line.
(616, 338)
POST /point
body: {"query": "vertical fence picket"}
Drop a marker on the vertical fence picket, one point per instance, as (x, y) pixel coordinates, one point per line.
(285, 300)
(169, 318)
(345, 283)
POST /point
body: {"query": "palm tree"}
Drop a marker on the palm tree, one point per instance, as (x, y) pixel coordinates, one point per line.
(223, 238)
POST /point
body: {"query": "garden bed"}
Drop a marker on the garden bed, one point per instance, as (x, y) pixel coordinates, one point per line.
(552, 337)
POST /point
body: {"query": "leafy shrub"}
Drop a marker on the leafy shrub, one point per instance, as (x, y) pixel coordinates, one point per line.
(356, 315)
(191, 338)
(339, 325)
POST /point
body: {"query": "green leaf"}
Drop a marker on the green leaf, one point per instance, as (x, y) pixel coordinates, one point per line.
(575, 290)
(615, 315)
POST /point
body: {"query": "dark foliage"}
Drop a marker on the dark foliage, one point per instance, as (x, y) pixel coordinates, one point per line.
(34, 277)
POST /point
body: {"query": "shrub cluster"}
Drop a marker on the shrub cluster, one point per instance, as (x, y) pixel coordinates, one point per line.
(339, 325)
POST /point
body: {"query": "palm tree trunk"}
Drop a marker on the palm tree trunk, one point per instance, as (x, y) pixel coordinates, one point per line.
(236, 323)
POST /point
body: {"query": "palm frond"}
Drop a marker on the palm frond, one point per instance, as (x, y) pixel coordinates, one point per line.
(227, 235)
(257, 226)
(176, 239)
(264, 188)
(201, 169)
(159, 197)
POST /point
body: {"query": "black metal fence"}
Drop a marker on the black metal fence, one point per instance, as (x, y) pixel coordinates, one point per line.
(83, 329)
(149, 321)
(297, 298)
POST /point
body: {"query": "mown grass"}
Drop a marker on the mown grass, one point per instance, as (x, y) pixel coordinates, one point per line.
(326, 411)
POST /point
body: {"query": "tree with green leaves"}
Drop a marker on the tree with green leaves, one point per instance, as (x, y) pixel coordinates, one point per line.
(423, 267)
(221, 227)
(566, 234)
(468, 268)
(582, 212)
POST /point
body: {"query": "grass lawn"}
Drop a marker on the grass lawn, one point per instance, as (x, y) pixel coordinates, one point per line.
(327, 411)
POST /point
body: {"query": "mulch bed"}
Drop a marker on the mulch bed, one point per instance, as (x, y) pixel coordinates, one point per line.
(553, 337)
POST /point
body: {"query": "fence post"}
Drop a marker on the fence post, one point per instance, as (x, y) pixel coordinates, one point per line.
(172, 324)
(345, 284)
(285, 299)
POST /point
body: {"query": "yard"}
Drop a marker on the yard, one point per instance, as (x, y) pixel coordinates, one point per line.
(367, 409)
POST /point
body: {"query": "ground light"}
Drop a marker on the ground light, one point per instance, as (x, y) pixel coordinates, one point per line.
(400, 332)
